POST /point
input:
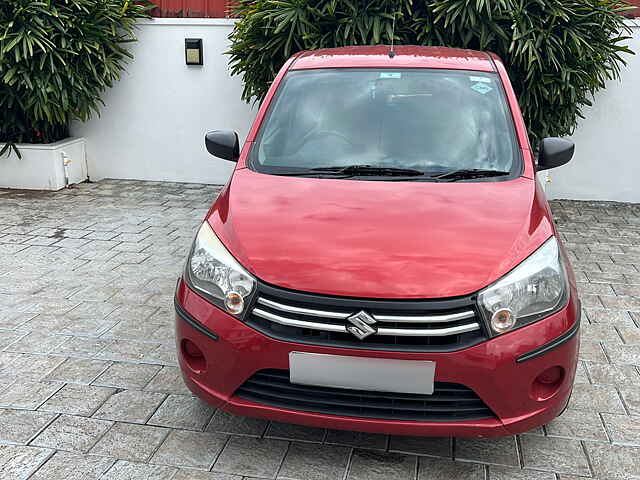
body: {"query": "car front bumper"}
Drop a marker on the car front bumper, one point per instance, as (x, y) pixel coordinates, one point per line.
(501, 371)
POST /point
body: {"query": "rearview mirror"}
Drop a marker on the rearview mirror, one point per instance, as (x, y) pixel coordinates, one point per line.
(554, 152)
(223, 144)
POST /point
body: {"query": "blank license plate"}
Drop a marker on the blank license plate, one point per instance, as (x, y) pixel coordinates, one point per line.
(362, 373)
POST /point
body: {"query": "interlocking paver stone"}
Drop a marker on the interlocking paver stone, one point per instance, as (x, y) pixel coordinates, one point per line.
(631, 397)
(599, 398)
(370, 465)
(194, 475)
(94, 310)
(134, 329)
(6, 380)
(290, 431)
(9, 249)
(224, 422)
(613, 317)
(82, 347)
(624, 354)
(372, 441)
(509, 473)
(34, 367)
(437, 468)
(577, 424)
(127, 375)
(97, 289)
(123, 470)
(125, 351)
(500, 451)
(592, 351)
(251, 457)
(9, 337)
(133, 406)
(622, 429)
(14, 319)
(431, 446)
(36, 342)
(71, 433)
(28, 394)
(182, 411)
(314, 462)
(607, 374)
(18, 426)
(168, 380)
(44, 305)
(69, 466)
(554, 455)
(613, 461)
(18, 462)
(96, 294)
(190, 449)
(163, 354)
(78, 370)
(6, 359)
(620, 302)
(77, 399)
(131, 442)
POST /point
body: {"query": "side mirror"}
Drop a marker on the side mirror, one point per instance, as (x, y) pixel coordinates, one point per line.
(554, 152)
(223, 144)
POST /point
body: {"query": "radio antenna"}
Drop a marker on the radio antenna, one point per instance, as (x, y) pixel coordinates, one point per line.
(393, 36)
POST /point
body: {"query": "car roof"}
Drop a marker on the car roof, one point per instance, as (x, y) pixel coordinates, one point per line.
(406, 56)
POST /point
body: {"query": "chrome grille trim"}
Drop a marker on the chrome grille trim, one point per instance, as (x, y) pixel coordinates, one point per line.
(448, 317)
(401, 325)
(430, 332)
(303, 311)
(404, 332)
(290, 322)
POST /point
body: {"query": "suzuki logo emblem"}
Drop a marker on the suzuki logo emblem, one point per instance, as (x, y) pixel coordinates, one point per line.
(361, 324)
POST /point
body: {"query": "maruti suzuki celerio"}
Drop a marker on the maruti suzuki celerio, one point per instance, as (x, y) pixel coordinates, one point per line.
(382, 258)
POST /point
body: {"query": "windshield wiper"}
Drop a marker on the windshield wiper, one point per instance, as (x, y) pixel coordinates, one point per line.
(296, 173)
(465, 173)
(370, 170)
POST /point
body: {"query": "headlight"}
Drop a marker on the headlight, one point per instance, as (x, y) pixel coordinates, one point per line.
(213, 271)
(534, 289)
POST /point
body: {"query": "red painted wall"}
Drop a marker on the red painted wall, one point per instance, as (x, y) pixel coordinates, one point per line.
(635, 12)
(220, 8)
(192, 8)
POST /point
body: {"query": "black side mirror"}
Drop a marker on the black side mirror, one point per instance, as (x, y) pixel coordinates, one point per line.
(554, 152)
(223, 144)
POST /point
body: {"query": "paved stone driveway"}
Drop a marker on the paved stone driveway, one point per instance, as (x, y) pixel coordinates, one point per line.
(89, 386)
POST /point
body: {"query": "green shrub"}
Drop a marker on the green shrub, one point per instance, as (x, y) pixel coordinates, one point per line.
(558, 52)
(56, 59)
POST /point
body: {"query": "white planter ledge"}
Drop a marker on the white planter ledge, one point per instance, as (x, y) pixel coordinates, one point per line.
(42, 167)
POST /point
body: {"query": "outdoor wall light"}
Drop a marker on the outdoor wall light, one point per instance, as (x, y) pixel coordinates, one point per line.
(193, 51)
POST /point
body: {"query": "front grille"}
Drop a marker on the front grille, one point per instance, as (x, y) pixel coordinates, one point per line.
(397, 325)
(450, 402)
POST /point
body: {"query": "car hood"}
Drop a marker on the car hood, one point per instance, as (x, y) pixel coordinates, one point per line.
(379, 239)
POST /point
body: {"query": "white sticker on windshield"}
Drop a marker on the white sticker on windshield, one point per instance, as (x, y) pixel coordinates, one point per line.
(480, 79)
(482, 88)
(390, 75)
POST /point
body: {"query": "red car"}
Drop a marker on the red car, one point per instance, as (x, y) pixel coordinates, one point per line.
(382, 258)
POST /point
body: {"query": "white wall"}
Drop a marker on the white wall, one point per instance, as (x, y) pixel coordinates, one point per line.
(606, 165)
(153, 125)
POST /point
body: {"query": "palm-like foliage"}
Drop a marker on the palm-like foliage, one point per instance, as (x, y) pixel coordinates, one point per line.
(558, 52)
(56, 59)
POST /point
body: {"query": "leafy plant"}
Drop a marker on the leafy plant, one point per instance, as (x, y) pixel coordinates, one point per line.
(56, 59)
(558, 52)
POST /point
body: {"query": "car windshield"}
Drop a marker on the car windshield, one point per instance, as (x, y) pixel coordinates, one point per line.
(433, 121)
